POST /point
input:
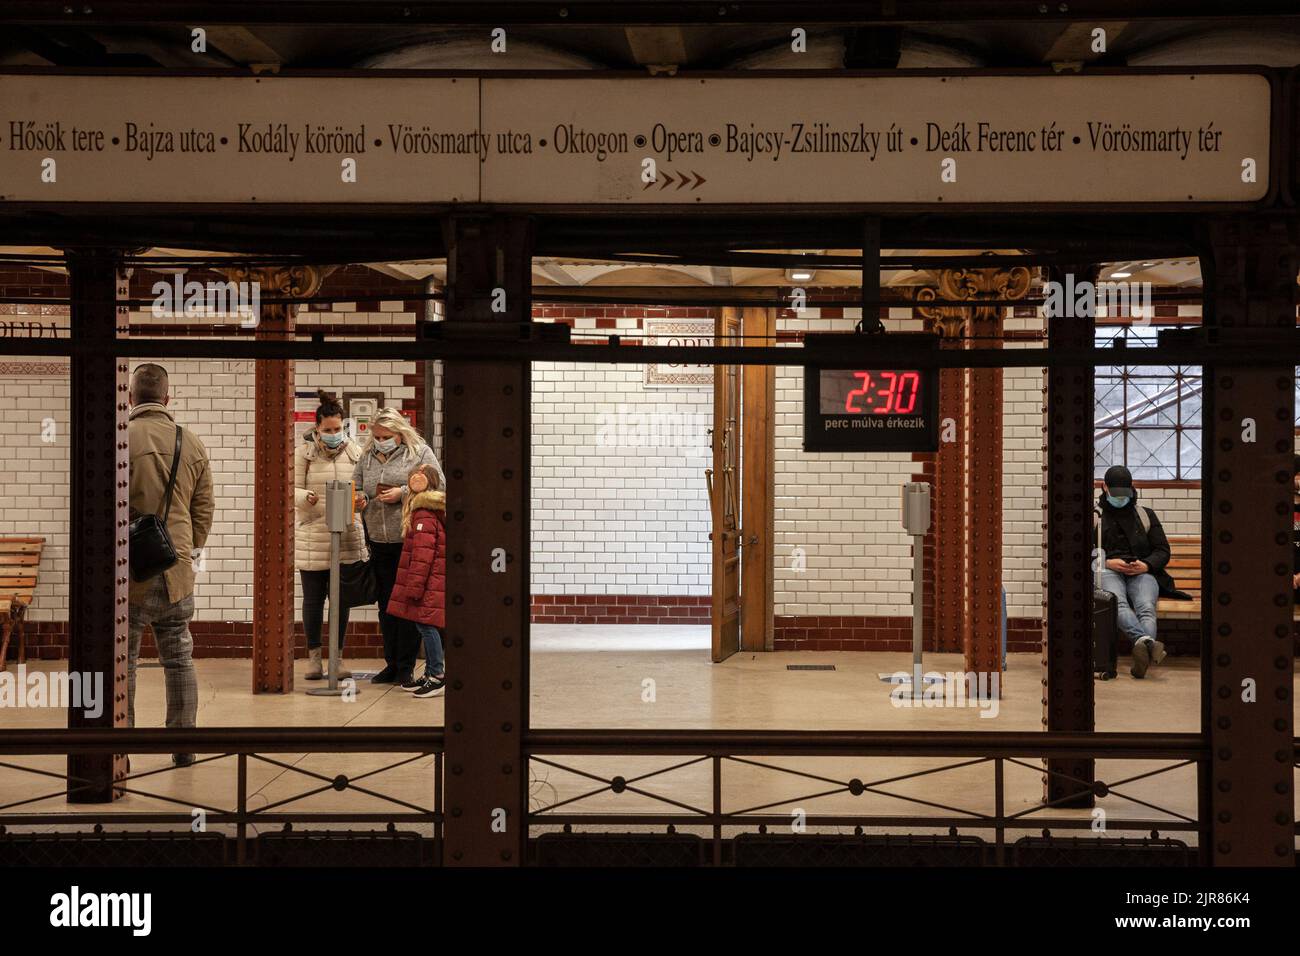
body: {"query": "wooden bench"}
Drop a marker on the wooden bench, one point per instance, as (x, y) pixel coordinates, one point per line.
(20, 561)
(1185, 568)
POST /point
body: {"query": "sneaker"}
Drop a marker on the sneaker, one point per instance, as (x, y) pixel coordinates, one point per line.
(431, 687)
(1142, 656)
(1158, 652)
(412, 683)
(386, 676)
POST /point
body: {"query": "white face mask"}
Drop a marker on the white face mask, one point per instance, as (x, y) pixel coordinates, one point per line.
(385, 445)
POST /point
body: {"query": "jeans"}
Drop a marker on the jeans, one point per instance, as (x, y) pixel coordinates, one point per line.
(1136, 595)
(171, 632)
(315, 592)
(433, 659)
(401, 640)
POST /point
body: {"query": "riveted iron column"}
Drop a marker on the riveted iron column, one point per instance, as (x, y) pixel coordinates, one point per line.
(272, 510)
(948, 529)
(1067, 627)
(982, 637)
(99, 479)
(1247, 658)
(273, 389)
(968, 597)
(486, 438)
(950, 544)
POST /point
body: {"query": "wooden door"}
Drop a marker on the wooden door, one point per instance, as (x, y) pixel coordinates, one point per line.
(724, 499)
(757, 487)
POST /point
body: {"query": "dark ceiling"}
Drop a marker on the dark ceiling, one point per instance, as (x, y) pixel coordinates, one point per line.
(328, 34)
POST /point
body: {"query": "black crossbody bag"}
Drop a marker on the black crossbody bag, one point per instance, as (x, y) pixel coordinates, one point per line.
(152, 551)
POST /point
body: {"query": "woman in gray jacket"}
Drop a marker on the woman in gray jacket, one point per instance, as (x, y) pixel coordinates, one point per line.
(391, 452)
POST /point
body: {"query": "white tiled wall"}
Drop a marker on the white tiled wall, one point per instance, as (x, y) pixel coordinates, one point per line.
(836, 513)
(1022, 479)
(34, 475)
(1179, 509)
(215, 400)
(619, 499)
(842, 510)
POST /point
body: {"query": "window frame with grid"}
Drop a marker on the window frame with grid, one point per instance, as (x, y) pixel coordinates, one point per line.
(1172, 395)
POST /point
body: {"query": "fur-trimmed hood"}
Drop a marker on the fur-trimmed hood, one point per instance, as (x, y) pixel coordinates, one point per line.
(421, 501)
(429, 501)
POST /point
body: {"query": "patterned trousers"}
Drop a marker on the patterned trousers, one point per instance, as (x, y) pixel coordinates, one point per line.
(171, 632)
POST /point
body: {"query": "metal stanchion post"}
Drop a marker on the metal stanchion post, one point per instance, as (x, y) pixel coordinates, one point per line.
(338, 518)
(916, 522)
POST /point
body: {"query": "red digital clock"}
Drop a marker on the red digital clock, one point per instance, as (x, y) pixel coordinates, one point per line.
(870, 391)
(871, 408)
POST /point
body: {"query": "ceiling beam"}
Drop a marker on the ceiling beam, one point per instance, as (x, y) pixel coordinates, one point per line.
(1074, 43)
(242, 45)
(622, 12)
(393, 271)
(556, 272)
(657, 47)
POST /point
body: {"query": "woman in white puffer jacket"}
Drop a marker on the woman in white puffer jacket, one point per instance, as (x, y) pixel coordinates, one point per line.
(325, 454)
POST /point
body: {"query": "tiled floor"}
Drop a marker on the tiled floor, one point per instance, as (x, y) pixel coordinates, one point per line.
(589, 677)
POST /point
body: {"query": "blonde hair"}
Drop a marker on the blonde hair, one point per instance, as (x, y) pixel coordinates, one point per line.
(432, 474)
(395, 421)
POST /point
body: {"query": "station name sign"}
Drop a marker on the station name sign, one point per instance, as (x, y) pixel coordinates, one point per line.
(1134, 137)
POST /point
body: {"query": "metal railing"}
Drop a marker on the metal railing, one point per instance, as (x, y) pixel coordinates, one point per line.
(938, 808)
(243, 745)
(727, 749)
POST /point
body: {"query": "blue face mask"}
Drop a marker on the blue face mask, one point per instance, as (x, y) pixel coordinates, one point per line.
(1117, 502)
(334, 440)
(385, 446)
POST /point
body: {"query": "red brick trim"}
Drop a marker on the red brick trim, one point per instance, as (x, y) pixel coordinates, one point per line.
(620, 609)
(48, 640)
(876, 633)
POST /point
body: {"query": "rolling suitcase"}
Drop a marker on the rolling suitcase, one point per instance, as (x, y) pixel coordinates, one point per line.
(1105, 634)
(1105, 620)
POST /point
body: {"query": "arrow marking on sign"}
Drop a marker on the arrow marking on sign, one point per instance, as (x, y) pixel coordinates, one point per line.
(683, 179)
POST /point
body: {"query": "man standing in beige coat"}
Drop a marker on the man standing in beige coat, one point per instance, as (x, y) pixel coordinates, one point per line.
(166, 601)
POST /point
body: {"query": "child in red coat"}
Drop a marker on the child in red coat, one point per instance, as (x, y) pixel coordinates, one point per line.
(420, 592)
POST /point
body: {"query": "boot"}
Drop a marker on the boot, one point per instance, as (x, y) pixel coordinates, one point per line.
(314, 671)
(344, 673)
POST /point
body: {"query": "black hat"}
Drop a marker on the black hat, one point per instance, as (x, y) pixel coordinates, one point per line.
(1119, 482)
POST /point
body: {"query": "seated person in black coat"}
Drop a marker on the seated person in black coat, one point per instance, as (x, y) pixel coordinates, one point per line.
(1136, 553)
